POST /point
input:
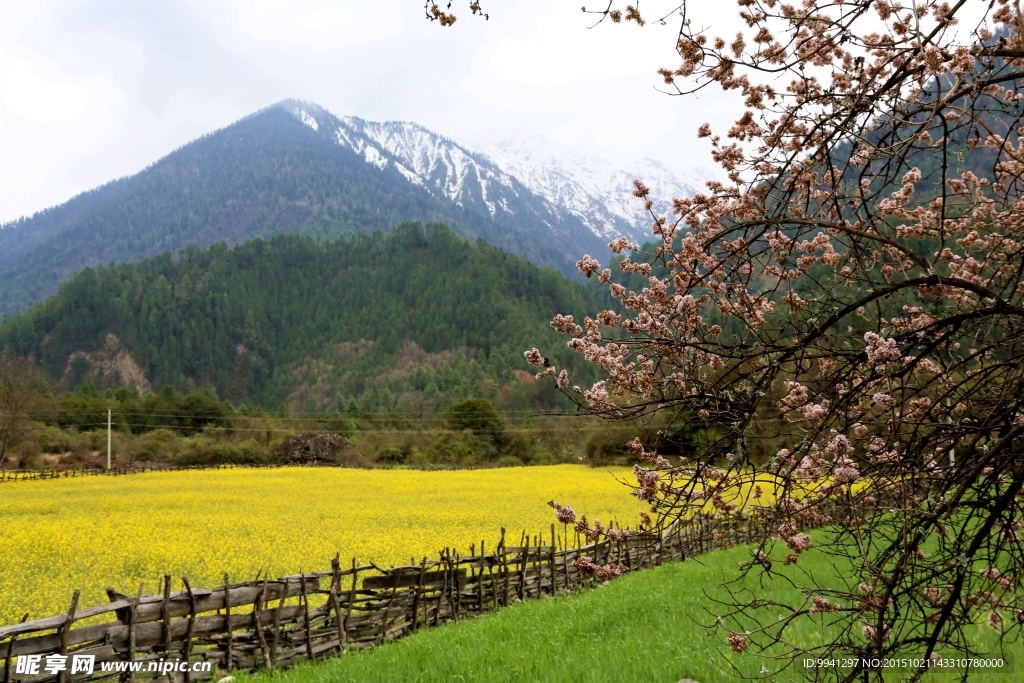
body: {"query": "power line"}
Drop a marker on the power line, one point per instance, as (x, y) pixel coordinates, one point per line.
(210, 413)
(327, 431)
(305, 417)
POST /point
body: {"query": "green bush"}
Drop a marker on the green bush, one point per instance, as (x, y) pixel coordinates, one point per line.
(542, 456)
(160, 444)
(253, 452)
(51, 439)
(26, 454)
(97, 439)
(462, 449)
(200, 451)
(608, 446)
(519, 445)
(391, 454)
(478, 416)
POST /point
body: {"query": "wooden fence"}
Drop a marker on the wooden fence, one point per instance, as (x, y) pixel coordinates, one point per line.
(264, 623)
(38, 475)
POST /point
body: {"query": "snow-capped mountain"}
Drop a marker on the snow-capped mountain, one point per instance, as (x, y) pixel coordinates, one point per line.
(424, 158)
(565, 190)
(295, 167)
(521, 221)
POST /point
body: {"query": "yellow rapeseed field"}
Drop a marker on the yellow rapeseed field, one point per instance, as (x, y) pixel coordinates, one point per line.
(93, 532)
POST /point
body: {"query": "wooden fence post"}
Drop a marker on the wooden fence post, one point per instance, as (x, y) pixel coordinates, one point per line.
(416, 598)
(565, 558)
(391, 601)
(64, 633)
(336, 571)
(258, 626)
(457, 588)
(276, 625)
(191, 628)
(227, 621)
(443, 594)
(551, 563)
(504, 566)
(480, 581)
(131, 630)
(339, 624)
(305, 613)
(523, 553)
(165, 614)
(351, 597)
(10, 651)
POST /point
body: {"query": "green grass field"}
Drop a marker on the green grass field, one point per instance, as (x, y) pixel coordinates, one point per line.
(646, 626)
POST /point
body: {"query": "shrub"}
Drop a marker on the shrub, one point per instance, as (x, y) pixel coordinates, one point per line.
(159, 444)
(391, 454)
(461, 448)
(51, 439)
(608, 446)
(520, 447)
(478, 416)
(26, 453)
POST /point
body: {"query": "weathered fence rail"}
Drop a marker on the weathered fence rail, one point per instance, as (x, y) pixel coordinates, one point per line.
(263, 624)
(39, 475)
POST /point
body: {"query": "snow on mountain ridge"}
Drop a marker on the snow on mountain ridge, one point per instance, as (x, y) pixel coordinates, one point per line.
(593, 189)
(569, 186)
(436, 161)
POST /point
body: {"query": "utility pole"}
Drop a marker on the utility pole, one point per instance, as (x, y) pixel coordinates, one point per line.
(108, 438)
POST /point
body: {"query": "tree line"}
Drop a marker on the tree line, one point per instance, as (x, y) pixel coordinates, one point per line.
(417, 318)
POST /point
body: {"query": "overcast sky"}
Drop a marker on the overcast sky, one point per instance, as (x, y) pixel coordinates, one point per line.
(92, 90)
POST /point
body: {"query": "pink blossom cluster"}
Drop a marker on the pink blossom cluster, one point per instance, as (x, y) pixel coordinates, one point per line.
(563, 513)
(871, 633)
(738, 643)
(820, 605)
(880, 351)
(587, 567)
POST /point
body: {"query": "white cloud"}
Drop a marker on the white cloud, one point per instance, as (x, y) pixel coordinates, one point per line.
(47, 118)
(319, 25)
(25, 94)
(556, 48)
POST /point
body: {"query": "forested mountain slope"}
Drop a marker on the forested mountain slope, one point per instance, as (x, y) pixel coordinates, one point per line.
(418, 317)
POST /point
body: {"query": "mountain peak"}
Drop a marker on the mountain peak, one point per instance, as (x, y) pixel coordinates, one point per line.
(571, 187)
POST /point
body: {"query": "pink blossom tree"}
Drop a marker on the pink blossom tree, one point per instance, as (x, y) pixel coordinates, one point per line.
(846, 311)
